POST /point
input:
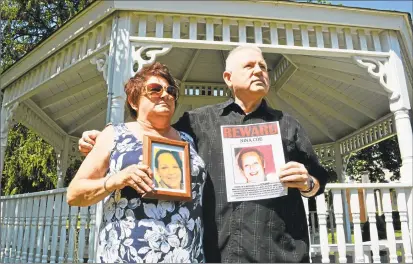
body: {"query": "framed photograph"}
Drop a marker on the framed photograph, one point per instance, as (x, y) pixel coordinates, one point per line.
(169, 161)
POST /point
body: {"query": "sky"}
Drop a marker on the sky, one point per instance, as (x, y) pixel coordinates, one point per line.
(403, 6)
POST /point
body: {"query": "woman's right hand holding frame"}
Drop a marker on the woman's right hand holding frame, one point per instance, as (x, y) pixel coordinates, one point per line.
(139, 177)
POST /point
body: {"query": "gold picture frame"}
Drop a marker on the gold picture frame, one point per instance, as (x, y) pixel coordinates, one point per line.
(168, 159)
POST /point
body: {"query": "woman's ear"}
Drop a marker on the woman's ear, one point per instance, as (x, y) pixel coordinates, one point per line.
(133, 105)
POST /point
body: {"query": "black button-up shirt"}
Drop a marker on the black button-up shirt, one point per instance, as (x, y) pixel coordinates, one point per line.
(269, 230)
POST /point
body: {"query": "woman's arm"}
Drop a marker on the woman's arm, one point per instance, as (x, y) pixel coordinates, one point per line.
(89, 185)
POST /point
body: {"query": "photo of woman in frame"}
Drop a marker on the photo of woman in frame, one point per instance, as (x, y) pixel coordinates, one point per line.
(168, 171)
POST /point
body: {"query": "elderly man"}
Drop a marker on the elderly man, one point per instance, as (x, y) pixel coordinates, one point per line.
(269, 230)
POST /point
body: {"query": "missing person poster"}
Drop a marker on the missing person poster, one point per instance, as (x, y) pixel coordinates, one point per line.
(253, 155)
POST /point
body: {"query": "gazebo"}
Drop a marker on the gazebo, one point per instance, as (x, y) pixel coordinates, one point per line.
(345, 73)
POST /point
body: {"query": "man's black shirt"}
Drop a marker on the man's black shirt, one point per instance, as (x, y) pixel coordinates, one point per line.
(269, 230)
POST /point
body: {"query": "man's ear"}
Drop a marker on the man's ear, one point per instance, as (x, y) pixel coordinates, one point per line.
(227, 78)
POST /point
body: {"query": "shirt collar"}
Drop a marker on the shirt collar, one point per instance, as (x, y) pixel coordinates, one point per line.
(262, 108)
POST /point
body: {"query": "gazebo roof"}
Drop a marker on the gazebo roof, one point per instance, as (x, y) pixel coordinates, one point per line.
(330, 95)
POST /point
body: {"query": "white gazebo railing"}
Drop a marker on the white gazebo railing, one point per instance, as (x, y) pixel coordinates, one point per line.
(42, 227)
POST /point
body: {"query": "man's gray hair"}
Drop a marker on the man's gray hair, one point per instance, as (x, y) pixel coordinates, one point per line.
(231, 55)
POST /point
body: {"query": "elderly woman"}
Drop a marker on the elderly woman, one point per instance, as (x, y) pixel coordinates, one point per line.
(136, 229)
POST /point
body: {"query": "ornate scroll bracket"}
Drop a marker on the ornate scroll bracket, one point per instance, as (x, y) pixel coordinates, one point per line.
(145, 54)
(101, 61)
(378, 68)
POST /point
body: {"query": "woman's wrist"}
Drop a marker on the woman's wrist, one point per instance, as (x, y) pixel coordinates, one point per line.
(108, 184)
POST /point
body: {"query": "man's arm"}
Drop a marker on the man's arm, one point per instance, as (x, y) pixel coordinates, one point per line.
(88, 141)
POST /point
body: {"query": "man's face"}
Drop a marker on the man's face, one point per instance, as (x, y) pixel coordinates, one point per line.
(249, 74)
(169, 170)
(252, 167)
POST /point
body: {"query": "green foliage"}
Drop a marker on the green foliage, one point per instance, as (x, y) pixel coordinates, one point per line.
(24, 23)
(30, 163)
(384, 155)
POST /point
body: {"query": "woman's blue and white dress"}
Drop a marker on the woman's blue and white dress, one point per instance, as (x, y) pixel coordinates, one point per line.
(147, 230)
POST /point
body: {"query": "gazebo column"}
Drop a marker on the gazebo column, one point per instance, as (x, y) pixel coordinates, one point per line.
(117, 67)
(6, 121)
(400, 106)
(391, 74)
(62, 163)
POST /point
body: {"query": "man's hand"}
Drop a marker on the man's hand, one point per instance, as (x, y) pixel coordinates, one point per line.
(87, 141)
(295, 175)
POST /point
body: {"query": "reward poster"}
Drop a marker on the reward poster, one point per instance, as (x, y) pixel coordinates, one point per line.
(253, 155)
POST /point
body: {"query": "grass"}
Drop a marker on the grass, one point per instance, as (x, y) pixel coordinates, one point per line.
(397, 233)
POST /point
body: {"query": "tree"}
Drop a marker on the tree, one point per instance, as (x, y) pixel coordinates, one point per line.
(380, 156)
(30, 163)
(24, 23)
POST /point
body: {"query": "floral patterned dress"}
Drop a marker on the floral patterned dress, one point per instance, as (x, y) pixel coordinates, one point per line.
(147, 230)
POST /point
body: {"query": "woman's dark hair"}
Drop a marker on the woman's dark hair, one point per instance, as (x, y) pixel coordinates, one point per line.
(173, 153)
(135, 85)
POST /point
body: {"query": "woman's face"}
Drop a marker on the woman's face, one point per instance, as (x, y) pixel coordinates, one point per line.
(163, 105)
(169, 171)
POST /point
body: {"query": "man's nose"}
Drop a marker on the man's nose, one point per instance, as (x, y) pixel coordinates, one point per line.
(257, 69)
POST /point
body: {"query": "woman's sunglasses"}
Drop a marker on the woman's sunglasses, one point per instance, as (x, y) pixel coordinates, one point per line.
(156, 90)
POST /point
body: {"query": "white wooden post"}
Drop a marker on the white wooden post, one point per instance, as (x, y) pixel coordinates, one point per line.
(22, 215)
(81, 239)
(63, 228)
(92, 220)
(338, 212)
(358, 240)
(322, 227)
(17, 209)
(33, 229)
(47, 227)
(118, 66)
(387, 209)
(27, 225)
(62, 163)
(374, 237)
(400, 107)
(6, 120)
(56, 218)
(341, 172)
(40, 226)
(72, 233)
(407, 246)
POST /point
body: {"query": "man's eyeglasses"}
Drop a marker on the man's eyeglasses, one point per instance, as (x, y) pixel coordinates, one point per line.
(155, 90)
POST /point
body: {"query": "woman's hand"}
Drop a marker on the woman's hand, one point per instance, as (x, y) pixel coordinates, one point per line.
(139, 177)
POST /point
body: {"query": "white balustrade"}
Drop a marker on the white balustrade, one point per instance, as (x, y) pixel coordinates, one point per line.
(370, 247)
(36, 228)
(325, 152)
(263, 31)
(66, 233)
(206, 89)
